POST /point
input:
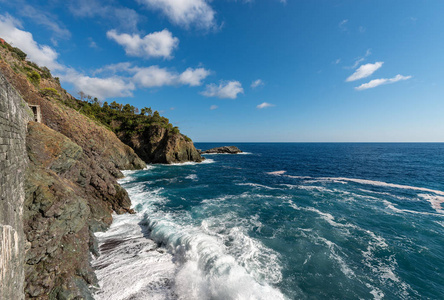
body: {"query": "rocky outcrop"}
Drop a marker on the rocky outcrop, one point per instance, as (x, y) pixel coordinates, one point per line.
(68, 196)
(159, 145)
(71, 191)
(70, 187)
(223, 150)
(14, 115)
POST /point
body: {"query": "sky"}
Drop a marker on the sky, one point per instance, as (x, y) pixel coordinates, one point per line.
(250, 70)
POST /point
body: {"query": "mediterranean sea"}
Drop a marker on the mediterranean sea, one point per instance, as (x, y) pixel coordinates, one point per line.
(282, 221)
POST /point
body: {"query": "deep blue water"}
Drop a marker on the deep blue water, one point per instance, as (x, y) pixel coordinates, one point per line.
(285, 220)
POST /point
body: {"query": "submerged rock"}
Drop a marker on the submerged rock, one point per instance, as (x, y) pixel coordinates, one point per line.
(224, 149)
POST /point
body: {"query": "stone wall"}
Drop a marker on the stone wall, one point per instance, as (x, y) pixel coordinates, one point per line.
(14, 116)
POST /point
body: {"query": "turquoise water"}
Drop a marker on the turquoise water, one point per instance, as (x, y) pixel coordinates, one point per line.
(283, 221)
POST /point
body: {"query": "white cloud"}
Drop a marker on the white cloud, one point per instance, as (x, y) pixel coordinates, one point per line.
(257, 83)
(193, 77)
(264, 105)
(156, 44)
(42, 55)
(185, 12)
(377, 82)
(213, 107)
(226, 89)
(154, 76)
(101, 88)
(364, 71)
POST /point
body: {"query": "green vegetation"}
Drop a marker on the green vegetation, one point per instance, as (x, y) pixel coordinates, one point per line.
(34, 77)
(19, 53)
(123, 119)
(50, 92)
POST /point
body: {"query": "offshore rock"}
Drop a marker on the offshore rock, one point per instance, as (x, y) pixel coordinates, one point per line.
(222, 150)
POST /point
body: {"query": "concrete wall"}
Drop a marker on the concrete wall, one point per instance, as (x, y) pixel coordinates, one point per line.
(14, 116)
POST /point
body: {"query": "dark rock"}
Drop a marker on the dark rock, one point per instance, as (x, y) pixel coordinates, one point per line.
(224, 149)
(69, 194)
(157, 144)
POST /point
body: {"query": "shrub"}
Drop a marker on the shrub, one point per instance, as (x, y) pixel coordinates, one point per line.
(50, 92)
(34, 77)
(19, 53)
(34, 65)
(46, 73)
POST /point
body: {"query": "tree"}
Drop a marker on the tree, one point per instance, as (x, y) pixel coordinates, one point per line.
(82, 95)
(146, 111)
(116, 106)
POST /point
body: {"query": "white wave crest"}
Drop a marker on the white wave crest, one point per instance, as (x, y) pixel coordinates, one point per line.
(191, 163)
(205, 269)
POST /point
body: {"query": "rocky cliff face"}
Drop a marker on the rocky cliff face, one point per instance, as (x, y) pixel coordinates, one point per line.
(68, 196)
(71, 191)
(159, 145)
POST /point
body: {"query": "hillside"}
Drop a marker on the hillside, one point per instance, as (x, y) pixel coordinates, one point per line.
(71, 188)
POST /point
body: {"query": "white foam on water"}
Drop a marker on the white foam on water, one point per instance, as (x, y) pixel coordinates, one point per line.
(192, 177)
(256, 185)
(377, 293)
(392, 207)
(312, 188)
(211, 261)
(206, 269)
(335, 256)
(440, 223)
(366, 182)
(130, 265)
(385, 184)
(190, 163)
(435, 201)
(276, 172)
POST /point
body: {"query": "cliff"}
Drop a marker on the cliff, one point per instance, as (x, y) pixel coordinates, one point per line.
(59, 179)
(158, 145)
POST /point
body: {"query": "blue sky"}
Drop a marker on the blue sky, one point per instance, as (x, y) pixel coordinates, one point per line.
(250, 71)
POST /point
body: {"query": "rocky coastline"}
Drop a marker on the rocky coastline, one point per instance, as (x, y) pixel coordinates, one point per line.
(70, 185)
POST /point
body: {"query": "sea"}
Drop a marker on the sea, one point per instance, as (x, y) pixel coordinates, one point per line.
(282, 221)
